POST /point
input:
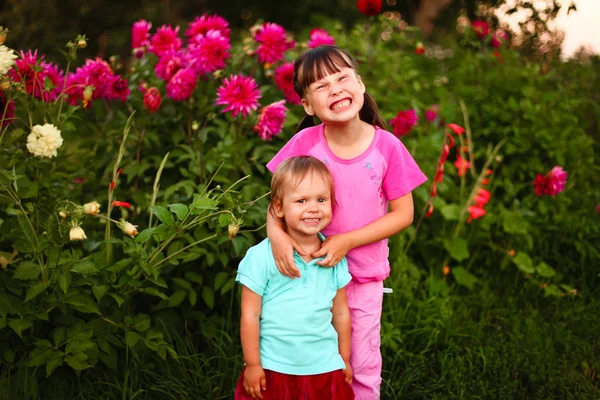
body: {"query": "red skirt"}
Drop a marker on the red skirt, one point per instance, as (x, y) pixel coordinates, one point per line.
(327, 386)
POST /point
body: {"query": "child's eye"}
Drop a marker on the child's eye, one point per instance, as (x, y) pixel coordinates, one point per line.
(343, 78)
(322, 200)
(301, 201)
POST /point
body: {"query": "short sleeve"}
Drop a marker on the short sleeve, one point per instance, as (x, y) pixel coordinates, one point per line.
(403, 174)
(253, 271)
(342, 275)
(291, 149)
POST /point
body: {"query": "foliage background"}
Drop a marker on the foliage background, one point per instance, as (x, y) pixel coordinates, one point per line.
(491, 328)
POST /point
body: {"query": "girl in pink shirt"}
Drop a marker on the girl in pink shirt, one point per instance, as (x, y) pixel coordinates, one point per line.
(374, 176)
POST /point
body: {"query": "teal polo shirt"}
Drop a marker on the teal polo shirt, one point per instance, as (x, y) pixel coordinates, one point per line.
(296, 331)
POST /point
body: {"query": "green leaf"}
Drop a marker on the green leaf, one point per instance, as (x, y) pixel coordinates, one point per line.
(59, 336)
(464, 277)
(120, 265)
(513, 222)
(220, 279)
(27, 270)
(117, 298)
(141, 322)
(38, 357)
(78, 362)
(85, 267)
(99, 291)
(177, 298)
(457, 248)
(202, 203)
(228, 286)
(83, 303)
(55, 360)
(19, 325)
(450, 212)
(64, 281)
(545, 270)
(224, 220)
(144, 235)
(36, 289)
(183, 283)
(193, 297)
(524, 263)
(28, 231)
(155, 292)
(552, 290)
(132, 338)
(2, 323)
(163, 215)
(208, 296)
(180, 210)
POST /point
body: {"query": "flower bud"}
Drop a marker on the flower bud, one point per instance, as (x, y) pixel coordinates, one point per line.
(76, 233)
(81, 43)
(88, 92)
(3, 262)
(63, 214)
(233, 229)
(92, 208)
(128, 228)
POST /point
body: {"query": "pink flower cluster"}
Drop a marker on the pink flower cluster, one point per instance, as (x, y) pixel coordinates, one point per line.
(320, 37)
(273, 42)
(34, 74)
(284, 79)
(552, 184)
(404, 121)
(270, 120)
(95, 80)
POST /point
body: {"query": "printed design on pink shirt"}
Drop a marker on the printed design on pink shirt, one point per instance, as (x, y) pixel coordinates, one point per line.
(377, 180)
(326, 161)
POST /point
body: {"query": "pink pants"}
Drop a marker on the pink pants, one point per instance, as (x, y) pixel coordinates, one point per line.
(365, 301)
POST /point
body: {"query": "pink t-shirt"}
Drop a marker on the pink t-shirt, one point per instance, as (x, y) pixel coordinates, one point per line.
(363, 186)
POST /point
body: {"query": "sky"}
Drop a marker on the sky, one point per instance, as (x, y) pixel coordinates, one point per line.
(581, 27)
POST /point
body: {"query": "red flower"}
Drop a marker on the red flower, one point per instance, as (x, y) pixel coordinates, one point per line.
(456, 128)
(450, 140)
(462, 165)
(404, 121)
(419, 49)
(201, 25)
(152, 99)
(284, 79)
(499, 37)
(482, 197)
(431, 113)
(552, 184)
(121, 204)
(369, 7)
(270, 120)
(439, 173)
(239, 94)
(273, 42)
(166, 38)
(429, 211)
(320, 37)
(481, 28)
(475, 212)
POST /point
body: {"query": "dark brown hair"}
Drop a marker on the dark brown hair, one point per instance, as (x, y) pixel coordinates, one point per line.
(321, 61)
(294, 170)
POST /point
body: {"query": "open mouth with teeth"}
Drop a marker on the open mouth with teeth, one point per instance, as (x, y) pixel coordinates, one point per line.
(338, 105)
(311, 221)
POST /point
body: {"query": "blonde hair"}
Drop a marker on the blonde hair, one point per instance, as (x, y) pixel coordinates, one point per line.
(294, 170)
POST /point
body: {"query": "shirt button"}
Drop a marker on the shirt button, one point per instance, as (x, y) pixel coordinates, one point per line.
(304, 281)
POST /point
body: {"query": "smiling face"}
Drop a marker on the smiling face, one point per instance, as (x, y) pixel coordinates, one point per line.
(305, 207)
(337, 98)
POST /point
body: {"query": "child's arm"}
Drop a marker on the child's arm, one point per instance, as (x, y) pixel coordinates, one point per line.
(341, 323)
(254, 377)
(283, 247)
(399, 218)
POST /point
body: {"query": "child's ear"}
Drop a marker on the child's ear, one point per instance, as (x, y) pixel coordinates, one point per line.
(361, 83)
(277, 208)
(307, 108)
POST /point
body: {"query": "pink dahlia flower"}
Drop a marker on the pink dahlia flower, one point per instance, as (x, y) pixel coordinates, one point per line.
(320, 37)
(481, 28)
(201, 26)
(284, 79)
(140, 33)
(270, 120)
(431, 113)
(182, 84)
(165, 39)
(7, 110)
(34, 75)
(169, 63)
(208, 52)
(273, 42)
(95, 80)
(552, 184)
(404, 121)
(152, 99)
(239, 94)
(118, 89)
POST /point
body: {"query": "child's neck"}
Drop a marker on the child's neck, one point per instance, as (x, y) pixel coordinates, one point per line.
(349, 140)
(310, 244)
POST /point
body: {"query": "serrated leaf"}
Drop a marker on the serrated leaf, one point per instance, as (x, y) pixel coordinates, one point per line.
(545, 270)
(55, 360)
(83, 303)
(117, 298)
(38, 357)
(132, 338)
(177, 298)
(464, 277)
(19, 325)
(99, 291)
(180, 210)
(27, 270)
(59, 336)
(35, 290)
(163, 215)
(141, 322)
(208, 296)
(84, 267)
(524, 263)
(457, 248)
(144, 235)
(64, 282)
(78, 362)
(224, 220)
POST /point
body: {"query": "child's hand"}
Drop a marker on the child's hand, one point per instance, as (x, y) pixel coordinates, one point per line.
(283, 251)
(336, 247)
(254, 381)
(348, 373)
